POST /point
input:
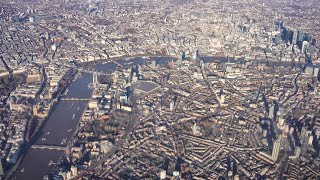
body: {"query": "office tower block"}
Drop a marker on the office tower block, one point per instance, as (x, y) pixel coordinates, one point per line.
(294, 37)
(275, 150)
(305, 46)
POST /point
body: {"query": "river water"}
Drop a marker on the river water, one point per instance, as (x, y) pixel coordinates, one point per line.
(61, 123)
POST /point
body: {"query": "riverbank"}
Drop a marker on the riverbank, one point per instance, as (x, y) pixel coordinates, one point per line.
(35, 164)
(36, 132)
(70, 142)
(92, 63)
(55, 99)
(61, 120)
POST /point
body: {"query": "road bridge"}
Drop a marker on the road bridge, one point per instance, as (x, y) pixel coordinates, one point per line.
(49, 147)
(89, 71)
(75, 99)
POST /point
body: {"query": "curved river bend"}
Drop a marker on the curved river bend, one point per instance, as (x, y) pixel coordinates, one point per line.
(61, 123)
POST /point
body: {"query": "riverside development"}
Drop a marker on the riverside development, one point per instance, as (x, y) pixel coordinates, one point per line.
(175, 89)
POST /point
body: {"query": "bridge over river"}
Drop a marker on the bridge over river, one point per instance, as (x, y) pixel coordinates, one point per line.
(49, 147)
(75, 99)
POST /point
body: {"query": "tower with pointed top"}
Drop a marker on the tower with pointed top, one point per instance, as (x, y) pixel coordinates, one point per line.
(95, 79)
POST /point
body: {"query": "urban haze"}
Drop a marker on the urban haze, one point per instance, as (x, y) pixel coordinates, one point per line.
(159, 89)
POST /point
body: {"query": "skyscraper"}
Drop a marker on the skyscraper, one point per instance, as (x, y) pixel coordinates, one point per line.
(54, 47)
(271, 112)
(74, 171)
(163, 174)
(275, 150)
(1, 168)
(95, 79)
(179, 61)
(31, 20)
(195, 57)
(316, 72)
(301, 36)
(297, 151)
(294, 36)
(305, 46)
(281, 121)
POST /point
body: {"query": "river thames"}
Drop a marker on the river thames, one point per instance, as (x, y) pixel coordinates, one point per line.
(65, 116)
(63, 120)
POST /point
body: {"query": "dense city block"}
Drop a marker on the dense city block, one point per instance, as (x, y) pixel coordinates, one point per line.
(149, 89)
